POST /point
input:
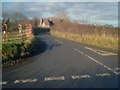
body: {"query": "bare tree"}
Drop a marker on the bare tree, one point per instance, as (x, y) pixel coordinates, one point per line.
(61, 17)
(35, 21)
(5, 16)
(18, 17)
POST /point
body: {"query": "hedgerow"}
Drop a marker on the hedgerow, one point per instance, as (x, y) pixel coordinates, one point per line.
(14, 52)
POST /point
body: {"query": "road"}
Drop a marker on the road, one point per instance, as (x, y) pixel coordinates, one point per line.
(65, 64)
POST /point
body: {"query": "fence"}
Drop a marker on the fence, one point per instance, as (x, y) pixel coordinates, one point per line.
(22, 34)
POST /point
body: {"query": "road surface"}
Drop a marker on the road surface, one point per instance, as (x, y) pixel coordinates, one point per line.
(65, 64)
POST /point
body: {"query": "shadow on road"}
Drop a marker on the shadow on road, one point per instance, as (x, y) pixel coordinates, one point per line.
(43, 34)
(38, 30)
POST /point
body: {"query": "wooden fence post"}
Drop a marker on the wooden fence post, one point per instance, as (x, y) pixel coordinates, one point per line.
(30, 29)
(3, 34)
(26, 29)
(6, 33)
(20, 28)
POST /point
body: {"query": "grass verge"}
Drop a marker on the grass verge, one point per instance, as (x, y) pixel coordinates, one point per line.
(105, 42)
(13, 53)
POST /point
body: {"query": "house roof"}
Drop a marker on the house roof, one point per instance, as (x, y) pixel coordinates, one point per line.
(46, 21)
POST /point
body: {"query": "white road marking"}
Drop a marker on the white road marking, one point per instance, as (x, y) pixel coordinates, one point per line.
(78, 51)
(98, 62)
(103, 74)
(118, 73)
(117, 69)
(29, 80)
(80, 76)
(16, 81)
(25, 81)
(54, 78)
(103, 53)
(3, 83)
(59, 41)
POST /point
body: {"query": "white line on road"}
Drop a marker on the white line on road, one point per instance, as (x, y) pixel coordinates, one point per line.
(3, 83)
(25, 81)
(59, 41)
(103, 74)
(80, 76)
(117, 69)
(97, 62)
(103, 53)
(17, 81)
(78, 51)
(54, 78)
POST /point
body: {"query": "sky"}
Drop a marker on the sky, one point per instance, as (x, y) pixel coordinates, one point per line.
(93, 12)
(60, 0)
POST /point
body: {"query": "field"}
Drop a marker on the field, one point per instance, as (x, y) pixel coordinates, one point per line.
(102, 37)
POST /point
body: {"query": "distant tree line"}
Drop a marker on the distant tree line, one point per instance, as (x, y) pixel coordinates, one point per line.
(14, 19)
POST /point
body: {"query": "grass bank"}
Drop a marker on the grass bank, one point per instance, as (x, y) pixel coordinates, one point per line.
(97, 39)
(13, 53)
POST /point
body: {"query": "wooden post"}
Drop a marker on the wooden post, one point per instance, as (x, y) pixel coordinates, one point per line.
(20, 28)
(26, 29)
(3, 34)
(30, 29)
(6, 32)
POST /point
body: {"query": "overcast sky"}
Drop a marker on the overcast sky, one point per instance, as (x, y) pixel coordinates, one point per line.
(99, 12)
(60, 0)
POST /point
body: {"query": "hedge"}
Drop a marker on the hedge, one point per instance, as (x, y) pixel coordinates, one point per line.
(13, 52)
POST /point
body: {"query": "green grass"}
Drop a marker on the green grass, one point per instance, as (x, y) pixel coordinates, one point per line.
(14, 52)
(105, 42)
(0, 46)
(18, 48)
(15, 37)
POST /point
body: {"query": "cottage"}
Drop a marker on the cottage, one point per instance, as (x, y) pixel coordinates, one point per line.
(45, 22)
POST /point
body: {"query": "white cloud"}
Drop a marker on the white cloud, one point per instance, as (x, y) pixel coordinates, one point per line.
(60, 1)
(102, 11)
